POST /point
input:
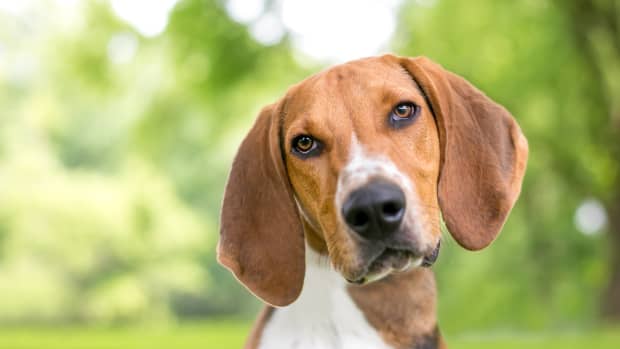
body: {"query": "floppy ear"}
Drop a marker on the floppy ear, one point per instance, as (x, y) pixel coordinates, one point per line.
(261, 236)
(483, 154)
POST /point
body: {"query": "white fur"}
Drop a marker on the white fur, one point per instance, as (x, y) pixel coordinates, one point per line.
(362, 167)
(323, 317)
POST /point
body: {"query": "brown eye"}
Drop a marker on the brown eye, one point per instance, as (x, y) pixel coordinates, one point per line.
(403, 114)
(403, 110)
(305, 145)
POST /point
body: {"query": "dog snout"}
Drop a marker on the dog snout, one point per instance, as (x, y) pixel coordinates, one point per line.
(375, 211)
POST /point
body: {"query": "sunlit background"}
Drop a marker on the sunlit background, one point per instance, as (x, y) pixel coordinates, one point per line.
(119, 120)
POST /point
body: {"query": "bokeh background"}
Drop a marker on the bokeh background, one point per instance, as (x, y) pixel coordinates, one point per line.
(119, 120)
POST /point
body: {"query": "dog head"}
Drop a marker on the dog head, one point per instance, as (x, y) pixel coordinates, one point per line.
(359, 162)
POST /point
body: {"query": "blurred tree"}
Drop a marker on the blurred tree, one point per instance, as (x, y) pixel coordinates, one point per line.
(595, 26)
(89, 231)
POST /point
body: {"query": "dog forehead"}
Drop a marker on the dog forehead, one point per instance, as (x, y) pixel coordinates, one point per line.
(360, 82)
(367, 72)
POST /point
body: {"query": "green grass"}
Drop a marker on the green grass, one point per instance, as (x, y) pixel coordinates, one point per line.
(231, 335)
(602, 339)
(207, 335)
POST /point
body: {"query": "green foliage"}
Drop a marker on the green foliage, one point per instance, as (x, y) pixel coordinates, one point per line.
(91, 231)
(79, 245)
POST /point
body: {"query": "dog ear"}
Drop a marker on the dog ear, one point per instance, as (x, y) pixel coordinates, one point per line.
(483, 154)
(261, 236)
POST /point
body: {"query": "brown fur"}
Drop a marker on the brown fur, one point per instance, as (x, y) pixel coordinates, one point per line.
(262, 238)
(483, 155)
(465, 154)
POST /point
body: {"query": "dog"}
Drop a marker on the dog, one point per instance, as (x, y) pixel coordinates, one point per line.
(332, 210)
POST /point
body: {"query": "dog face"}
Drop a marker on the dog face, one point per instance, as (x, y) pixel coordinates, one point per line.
(358, 161)
(362, 155)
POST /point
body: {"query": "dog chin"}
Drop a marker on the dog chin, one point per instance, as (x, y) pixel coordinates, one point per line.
(390, 261)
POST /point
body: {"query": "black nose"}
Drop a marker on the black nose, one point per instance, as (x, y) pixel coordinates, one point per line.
(376, 210)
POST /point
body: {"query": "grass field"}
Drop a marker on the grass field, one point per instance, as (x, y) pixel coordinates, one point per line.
(231, 335)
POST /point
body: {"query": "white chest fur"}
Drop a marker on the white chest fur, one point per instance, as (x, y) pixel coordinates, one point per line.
(323, 317)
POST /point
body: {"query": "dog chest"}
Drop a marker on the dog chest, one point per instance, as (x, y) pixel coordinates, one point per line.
(323, 317)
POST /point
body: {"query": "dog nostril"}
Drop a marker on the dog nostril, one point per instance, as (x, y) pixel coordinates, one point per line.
(391, 209)
(359, 219)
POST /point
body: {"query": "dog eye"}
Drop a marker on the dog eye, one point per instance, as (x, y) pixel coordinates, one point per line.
(403, 114)
(403, 110)
(305, 145)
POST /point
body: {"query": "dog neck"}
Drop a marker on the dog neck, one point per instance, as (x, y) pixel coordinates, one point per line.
(329, 313)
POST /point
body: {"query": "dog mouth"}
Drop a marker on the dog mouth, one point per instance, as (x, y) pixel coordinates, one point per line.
(395, 261)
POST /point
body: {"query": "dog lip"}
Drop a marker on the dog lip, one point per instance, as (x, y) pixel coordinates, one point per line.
(430, 259)
(360, 281)
(394, 260)
(388, 261)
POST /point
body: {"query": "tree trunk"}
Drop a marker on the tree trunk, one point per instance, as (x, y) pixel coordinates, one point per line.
(611, 300)
(596, 29)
